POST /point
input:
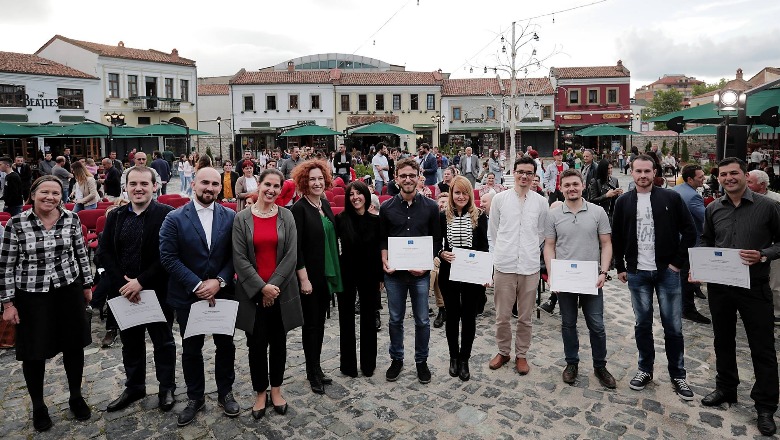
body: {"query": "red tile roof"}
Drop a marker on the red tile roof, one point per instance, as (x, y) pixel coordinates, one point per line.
(35, 65)
(482, 86)
(120, 51)
(675, 79)
(618, 71)
(282, 77)
(536, 86)
(390, 78)
(213, 89)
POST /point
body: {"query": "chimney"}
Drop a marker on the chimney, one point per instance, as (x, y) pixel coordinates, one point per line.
(739, 73)
(175, 54)
(620, 63)
(121, 44)
(290, 66)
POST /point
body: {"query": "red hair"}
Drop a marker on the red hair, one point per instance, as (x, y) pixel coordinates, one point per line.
(300, 174)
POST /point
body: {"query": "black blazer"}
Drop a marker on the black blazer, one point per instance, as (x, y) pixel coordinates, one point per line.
(361, 249)
(479, 242)
(233, 179)
(12, 192)
(672, 222)
(311, 240)
(153, 275)
(338, 164)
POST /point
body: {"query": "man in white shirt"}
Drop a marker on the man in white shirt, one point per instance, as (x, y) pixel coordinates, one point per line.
(515, 231)
(758, 181)
(380, 166)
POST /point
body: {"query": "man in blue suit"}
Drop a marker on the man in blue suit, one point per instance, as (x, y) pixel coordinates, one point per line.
(693, 176)
(196, 250)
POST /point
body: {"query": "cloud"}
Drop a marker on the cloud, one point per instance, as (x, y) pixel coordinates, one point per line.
(650, 55)
(26, 12)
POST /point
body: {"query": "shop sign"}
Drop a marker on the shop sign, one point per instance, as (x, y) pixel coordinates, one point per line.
(40, 101)
(366, 119)
(572, 116)
(611, 116)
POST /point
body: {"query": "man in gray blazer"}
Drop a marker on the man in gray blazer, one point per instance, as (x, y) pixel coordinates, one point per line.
(469, 166)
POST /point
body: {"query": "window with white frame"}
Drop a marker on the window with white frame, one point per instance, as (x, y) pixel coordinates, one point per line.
(113, 85)
(249, 103)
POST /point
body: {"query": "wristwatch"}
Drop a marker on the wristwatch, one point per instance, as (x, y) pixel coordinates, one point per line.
(763, 257)
(222, 283)
(602, 272)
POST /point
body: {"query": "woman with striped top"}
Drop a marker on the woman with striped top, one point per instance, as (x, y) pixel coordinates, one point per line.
(463, 225)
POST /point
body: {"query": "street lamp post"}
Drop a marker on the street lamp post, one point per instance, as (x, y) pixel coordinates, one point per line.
(113, 120)
(219, 132)
(436, 119)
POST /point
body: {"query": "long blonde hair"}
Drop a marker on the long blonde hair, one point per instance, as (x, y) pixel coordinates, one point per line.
(80, 172)
(464, 185)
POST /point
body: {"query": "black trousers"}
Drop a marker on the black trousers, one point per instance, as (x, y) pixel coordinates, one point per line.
(462, 301)
(688, 290)
(755, 308)
(315, 307)
(267, 348)
(368, 292)
(192, 360)
(134, 353)
(555, 196)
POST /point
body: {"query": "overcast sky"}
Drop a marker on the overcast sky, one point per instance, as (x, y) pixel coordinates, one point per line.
(708, 39)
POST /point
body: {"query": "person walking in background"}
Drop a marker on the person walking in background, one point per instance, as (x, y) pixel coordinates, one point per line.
(196, 250)
(428, 166)
(361, 269)
(46, 164)
(463, 226)
(318, 269)
(552, 183)
(381, 168)
(652, 231)
(12, 188)
(265, 255)
(750, 222)
(47, 301)
(163, 169)
(86, 195)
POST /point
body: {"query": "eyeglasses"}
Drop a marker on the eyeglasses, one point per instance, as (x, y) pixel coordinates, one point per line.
(525, 173)
(407, 176)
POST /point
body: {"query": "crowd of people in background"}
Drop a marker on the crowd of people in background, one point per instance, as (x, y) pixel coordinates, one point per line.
(284, 252)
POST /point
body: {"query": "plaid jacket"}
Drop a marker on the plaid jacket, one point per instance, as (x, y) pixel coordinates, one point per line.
(35, 259)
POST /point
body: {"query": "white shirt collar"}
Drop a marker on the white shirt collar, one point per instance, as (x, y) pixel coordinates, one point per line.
(199, 207)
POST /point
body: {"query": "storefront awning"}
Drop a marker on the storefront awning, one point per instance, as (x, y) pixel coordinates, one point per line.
(475, 129)
(428, 126)
(535, 128)
(256, 130)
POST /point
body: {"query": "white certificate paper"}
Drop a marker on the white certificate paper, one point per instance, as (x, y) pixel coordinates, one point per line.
(129, 314)
(410, 253)
(205, 320)
(574, 276)
(472, 266)
(719, 265)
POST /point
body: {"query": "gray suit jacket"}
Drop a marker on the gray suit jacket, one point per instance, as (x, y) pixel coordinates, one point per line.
(475, 168)
(249, 283)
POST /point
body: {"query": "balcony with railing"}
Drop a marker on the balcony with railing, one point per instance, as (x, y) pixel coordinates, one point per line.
(155, 104)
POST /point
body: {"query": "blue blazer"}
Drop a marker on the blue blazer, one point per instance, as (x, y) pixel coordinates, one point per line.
(695, 204)
(185, 254)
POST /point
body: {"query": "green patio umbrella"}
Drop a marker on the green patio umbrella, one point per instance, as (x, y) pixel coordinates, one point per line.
(700, 113)
(761, 101)
(91, 130)
(169, 130)
(16, 131)
(605, 130)
(703, 130)
(310, 130)
(381, 128)
(764, 129)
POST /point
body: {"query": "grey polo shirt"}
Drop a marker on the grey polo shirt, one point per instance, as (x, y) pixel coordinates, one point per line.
(576, 234)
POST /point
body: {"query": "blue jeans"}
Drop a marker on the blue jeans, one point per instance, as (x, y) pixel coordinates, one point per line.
(81, 207)
(397, 286)
(666, 284)
(593, 311)
(378, 185)
(13, 210)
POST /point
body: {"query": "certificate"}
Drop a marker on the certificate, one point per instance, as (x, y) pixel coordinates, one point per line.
(719, 265)
(129, 314)
(205, 320)
(472, 266)
(410, 253)
(574, 276)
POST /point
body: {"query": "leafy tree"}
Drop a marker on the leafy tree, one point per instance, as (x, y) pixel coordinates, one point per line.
(685, 155)
(648, 146)
(675, 150)
(665, 101)
(700, 89)
(664, 148)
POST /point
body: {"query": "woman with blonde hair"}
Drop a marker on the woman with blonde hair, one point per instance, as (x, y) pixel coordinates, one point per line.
(463, 225)
(85, 190)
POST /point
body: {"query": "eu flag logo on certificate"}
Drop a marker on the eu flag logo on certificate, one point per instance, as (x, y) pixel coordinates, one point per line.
(410, 242)
(718, 254)
(472, 255)
(573, 265)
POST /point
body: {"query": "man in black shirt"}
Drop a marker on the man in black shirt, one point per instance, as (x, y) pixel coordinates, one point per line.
(409, 214)
(742, 219)
(342, 162)
(12, 190)
(112, 183)
(25, 174)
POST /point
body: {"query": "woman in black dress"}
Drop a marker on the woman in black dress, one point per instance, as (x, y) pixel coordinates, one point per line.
(361, 268)
(318, 269)
(45, 256)
(463, 226)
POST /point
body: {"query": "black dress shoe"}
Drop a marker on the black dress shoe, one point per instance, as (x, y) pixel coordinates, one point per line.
(41, 419)
(316, 384)
(440, 318)
(454, 370)
(124, 400)
(280, 409)
(463, 371)
(766, 423)
(258, 414)
(229, 405)
(187, 415)
(718, 397)
(378, 321)
(79, 408)
(698, 293)
(326, 380)
(166, 400)
(350, 373)
(695, 316)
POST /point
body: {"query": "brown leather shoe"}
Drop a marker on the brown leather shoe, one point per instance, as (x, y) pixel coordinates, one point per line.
(499, 361)
(522, 367)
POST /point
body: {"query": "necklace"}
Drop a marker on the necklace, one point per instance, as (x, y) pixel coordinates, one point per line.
(264, 214)
(318, 205)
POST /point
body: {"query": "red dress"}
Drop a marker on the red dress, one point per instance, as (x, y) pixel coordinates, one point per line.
(265, 240)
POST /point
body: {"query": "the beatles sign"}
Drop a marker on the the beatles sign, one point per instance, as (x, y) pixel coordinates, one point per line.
(40, 101)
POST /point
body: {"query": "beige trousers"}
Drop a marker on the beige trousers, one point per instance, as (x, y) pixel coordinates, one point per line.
(511, 288)
(435, 283)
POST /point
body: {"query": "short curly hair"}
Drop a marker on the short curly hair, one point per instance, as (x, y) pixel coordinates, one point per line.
(300, 174)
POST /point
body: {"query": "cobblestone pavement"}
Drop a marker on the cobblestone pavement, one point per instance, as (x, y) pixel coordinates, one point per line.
(493, 404)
